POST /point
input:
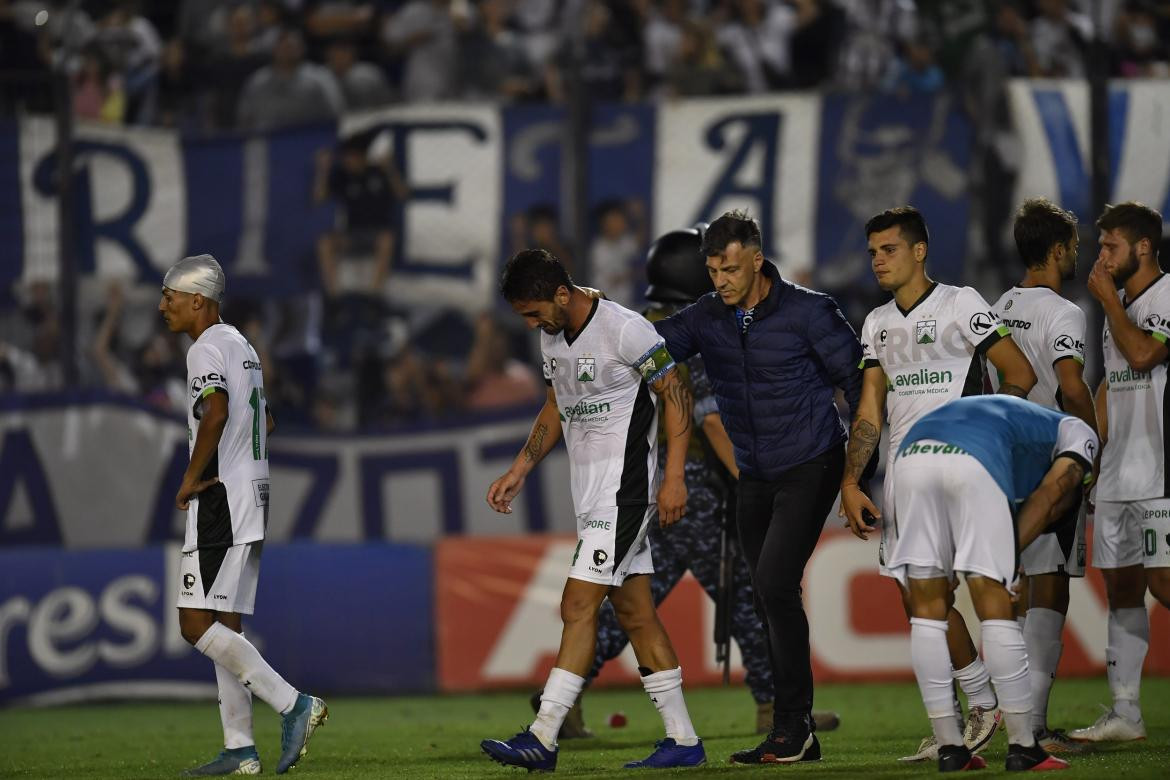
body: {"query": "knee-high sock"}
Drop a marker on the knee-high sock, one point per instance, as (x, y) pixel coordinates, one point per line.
(1042, 629)
(932, 669)
(1129, 639)
(237, 655)
(235, 709)
(1007, 660)
(976, 684)
(560, 694)
(665, 690)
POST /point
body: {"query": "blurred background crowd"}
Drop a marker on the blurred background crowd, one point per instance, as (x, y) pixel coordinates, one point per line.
(344, 357)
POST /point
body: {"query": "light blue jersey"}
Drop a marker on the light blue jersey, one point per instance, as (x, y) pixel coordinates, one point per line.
(1015, 440)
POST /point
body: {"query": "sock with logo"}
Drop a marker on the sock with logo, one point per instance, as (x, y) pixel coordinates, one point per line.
(241, 658)
(932, 668)
(665, 690)
(1007, 660)
(1129, 639)
(976, 684)
(235, 709)
(1042, 637)
(560, 693)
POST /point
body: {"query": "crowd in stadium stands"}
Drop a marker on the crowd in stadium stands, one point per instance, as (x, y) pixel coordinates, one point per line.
(345, 357)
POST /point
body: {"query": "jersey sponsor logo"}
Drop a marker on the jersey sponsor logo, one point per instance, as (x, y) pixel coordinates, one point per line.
(933, 449)
(926, 331)
(585, 411)
(604, 525)
(251, 365)
(260, 491)
(982, 322)
(1152, 514)
(1128, 377)
(1016, 324)
(199, 382)
(586, 369)
(923, 376)
(1066, 343)
(600, 557)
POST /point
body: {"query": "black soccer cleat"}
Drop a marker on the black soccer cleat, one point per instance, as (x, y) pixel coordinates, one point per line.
(1032, 758)
(781, 748)
(958, 758)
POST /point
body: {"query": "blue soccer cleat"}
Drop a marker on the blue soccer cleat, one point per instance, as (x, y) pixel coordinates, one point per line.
(234, 761)
(669, 754)
(297, 729)
(524, 750)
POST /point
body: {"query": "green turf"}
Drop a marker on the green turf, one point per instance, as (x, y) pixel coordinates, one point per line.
(438, 737)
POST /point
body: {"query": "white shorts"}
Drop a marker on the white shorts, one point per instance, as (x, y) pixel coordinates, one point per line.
(1126, 533)
(888, 521)
(951, 517)
(220, 578)
(612, 544)
(1059, 551)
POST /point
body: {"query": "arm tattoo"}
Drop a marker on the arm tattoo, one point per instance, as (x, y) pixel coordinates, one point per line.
(679, 395)
(863, 440)
(1007, 388)
(1069, 482)
(533, 449)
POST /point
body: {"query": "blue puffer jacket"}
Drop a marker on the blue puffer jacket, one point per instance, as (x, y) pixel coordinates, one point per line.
(774, 384)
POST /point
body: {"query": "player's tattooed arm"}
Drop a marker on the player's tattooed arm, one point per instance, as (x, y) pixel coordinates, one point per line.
(546, 432)
(1054, 498)
(856, 507)
(1007, 388)
(679, 399)
(534, 448)
(863, 440)
(680, 402)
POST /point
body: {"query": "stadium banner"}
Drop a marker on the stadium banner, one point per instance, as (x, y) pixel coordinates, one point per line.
(91, 470)
(1051, 119)
(498, 623)
(97, 624)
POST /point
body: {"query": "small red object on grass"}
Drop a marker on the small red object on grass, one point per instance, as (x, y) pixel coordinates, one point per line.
(617, 720)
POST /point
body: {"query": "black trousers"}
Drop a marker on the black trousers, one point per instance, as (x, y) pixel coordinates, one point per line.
(779, 523)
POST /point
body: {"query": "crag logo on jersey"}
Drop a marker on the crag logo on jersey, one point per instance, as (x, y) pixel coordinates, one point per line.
(600, 557)
(586, 369)
(584, 411)
(1066, 343)
(251, 365)
(982, 322)
(1014, 324)
(200, 382)
(925, 331)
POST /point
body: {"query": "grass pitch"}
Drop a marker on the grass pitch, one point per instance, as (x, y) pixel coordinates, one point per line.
(438, 736)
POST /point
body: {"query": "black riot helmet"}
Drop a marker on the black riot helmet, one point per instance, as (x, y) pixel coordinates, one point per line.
(676, 269)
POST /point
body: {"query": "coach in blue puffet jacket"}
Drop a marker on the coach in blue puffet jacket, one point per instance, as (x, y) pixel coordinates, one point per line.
(774, 353)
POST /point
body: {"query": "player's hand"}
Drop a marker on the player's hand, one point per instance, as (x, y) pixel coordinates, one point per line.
(191, 488)
(1100, 283)
(503, 490)
(672, 501)
(854, 505)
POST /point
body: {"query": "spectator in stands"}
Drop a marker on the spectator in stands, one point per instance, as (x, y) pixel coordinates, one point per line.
(539, 24)
(539, 228)
(98, 92)
(494, 378)
(329, 20)
(662, 40)
(609, 65)
(288, 92)
(700, 68)
(1142, 52)
(492, 59)
(756, 37)
(423, 32)
(1059, 39)
(30, 357)
(230, 63)
(616, 255)
(362, 84)
(408, 389)
(133, 46)
(873, 31)
(815, 41)
(915, 72)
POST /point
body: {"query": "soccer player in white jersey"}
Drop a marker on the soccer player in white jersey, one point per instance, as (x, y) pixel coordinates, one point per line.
(920, 350)
(1051, 332)
(601, 362)
(225, 494)
(1131, 528)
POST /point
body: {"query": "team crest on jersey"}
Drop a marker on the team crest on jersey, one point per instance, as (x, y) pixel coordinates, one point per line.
(586, 369)
(926, 331)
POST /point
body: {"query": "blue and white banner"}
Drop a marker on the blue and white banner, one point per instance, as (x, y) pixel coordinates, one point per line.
(101, 624)
(102, 472)
(1052, 121)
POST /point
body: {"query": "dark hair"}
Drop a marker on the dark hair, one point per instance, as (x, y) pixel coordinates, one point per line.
(1040, 225)
(533, 275)
(1135, 221)
(732, 226)
(907, 219)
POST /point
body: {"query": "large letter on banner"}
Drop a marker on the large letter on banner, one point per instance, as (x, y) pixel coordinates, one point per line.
(754, 153)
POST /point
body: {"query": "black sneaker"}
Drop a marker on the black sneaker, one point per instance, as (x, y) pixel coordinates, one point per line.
(1032, 758)
(958, 758)
(781, 748)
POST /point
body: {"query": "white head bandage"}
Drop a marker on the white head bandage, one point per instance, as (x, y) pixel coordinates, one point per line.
(199, 274)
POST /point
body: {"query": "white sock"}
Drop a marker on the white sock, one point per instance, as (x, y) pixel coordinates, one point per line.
(976, 684)
(932, 668)
(560, 694)
(665, 690)
(236, 654)
(1007, 660)
(1042, 637)
(1129, 639)
(235, 709)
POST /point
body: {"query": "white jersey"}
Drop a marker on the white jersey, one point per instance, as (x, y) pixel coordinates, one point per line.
(609, 416)
(234, 511)
(931, 353)
(1133, 463)
(1048, 328)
